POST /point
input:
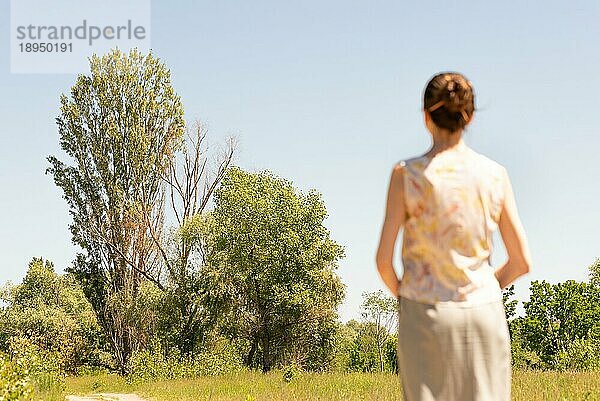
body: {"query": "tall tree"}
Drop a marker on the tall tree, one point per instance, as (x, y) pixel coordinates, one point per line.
(273, 264)
(120, 127)
(188, 311)
(382, 311)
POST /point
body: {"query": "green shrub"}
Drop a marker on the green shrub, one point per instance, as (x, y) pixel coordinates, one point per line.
(580, 355)
(390, 354)
(159, 363)
(523, 358)
(522, 355)
(344, 343)
(290, 372)
(15, 383)
(51, 311)
(43, 367)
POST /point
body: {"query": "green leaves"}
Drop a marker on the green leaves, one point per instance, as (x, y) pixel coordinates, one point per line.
(268, 246)
(119, 126)
(594, 275)
(510, 306)
(15, 383)
(562, 323)
(50, 313)
(380, 312)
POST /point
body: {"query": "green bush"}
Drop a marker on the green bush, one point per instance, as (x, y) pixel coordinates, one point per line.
(582, 354)
(43, 367)
(159, 363)
(523, 358)
(390, 354)
(344, 344)
(51, 312)
(15, 383)
(363, 351)
(290, 372)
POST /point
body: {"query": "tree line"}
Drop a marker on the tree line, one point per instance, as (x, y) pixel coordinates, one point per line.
(48, 316)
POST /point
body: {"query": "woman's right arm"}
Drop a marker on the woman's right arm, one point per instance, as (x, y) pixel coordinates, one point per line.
(515, 242)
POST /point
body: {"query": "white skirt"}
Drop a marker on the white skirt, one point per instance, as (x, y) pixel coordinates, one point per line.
(452, 352)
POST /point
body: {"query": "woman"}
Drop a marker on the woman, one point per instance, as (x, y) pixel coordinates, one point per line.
(453, 339)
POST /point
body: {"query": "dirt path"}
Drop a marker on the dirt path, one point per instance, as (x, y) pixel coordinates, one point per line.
(106, 397)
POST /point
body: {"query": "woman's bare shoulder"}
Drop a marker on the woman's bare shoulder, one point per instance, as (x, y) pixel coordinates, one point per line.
(409, 161)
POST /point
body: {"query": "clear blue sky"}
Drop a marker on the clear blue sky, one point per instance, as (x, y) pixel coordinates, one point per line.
(328, 95)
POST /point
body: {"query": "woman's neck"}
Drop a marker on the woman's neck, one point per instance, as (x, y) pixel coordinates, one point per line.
(444, 142)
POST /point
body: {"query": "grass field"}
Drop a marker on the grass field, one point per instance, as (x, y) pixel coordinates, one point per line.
(527, 386)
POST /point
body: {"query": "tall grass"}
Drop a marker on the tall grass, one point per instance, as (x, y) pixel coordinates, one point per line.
(256, 386)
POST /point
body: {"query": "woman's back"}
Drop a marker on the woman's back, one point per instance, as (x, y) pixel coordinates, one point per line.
(453, 339)
(453, 202)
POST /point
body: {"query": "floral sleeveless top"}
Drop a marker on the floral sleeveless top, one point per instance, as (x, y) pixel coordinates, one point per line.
(453, 200)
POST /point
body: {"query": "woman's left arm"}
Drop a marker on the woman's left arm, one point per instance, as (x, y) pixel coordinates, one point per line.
(395, 216)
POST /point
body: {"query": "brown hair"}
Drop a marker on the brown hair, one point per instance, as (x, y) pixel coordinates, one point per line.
(450, 100)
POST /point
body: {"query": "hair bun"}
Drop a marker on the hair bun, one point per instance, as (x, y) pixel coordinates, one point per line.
(450, 100)
(457, 94)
